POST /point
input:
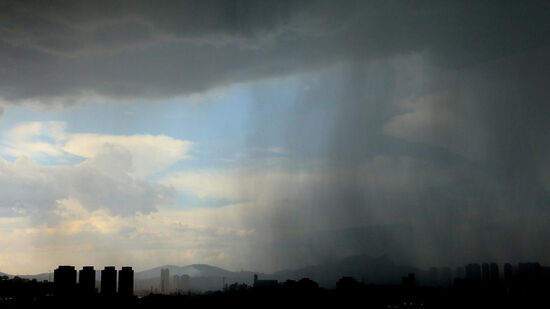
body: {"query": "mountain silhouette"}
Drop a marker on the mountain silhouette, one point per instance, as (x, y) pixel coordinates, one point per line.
(202, 277)
(37, 277)
(193, 271)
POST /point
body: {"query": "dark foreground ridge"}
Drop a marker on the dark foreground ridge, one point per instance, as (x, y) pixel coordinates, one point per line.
(521, 286)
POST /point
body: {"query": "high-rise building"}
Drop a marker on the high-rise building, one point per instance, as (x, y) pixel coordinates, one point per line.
(529, 273)
(65, 280)
(485, 272)
(409, 281)
(460, 273)
(86, 280)
(108, 281)
(270, 283)
(446, 276)
(473, 272)
(185, 286)
(508, 272)
(494, 275)
(164, 281)
(176, 283)
(126, 281)
(433, 276)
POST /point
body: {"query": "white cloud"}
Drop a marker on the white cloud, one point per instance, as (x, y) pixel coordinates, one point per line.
(34, 139)
(27, 188)
(149, 153)
(110, 178)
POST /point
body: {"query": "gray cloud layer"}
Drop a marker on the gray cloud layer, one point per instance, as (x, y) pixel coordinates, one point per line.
(57, 52)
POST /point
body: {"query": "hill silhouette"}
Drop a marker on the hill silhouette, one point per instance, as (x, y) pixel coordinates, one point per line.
(193, 271)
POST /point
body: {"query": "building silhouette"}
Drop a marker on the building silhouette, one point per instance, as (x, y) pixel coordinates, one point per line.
(108, 281)
(126, 281)
(508, 272)
(529, 273)
(176, 283)
(460, 273)
(409, 281)
(473, 272)
(446, 276)
(494, 275)
(264, 283)
(65, 280)
(164, 281)
(433, 276)
(180, 283)
(86, 280)
(485, 272)
(184, 283)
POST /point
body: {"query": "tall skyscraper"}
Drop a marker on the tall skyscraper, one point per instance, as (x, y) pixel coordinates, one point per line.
(164, 281)
(485, 272)
(508, 272)
(126, 281)
(460, 273)
(494, 274)
(108, 281)
(176, 283)
(433, 276)
(185, 286)
(86, 280)
(64, 278)
(446, 276)
(473, 272)
(529, 273)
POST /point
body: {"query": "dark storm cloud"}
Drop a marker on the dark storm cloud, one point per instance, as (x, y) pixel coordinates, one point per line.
(61, 51)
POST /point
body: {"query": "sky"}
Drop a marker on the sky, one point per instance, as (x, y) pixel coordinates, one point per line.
(267, 135)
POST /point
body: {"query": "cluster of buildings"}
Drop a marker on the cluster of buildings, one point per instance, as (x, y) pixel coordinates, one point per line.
(65, 281)
(487, 274)
(178, 284)
(258, 283)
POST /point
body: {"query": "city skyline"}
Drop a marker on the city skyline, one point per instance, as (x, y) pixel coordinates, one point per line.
(171, 278)
(473, 275)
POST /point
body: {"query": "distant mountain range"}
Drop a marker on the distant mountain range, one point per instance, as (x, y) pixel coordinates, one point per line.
(367, 269)
(38, 277)
(193, 271)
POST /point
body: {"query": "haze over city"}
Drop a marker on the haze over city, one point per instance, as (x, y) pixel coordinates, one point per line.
(273, 135)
